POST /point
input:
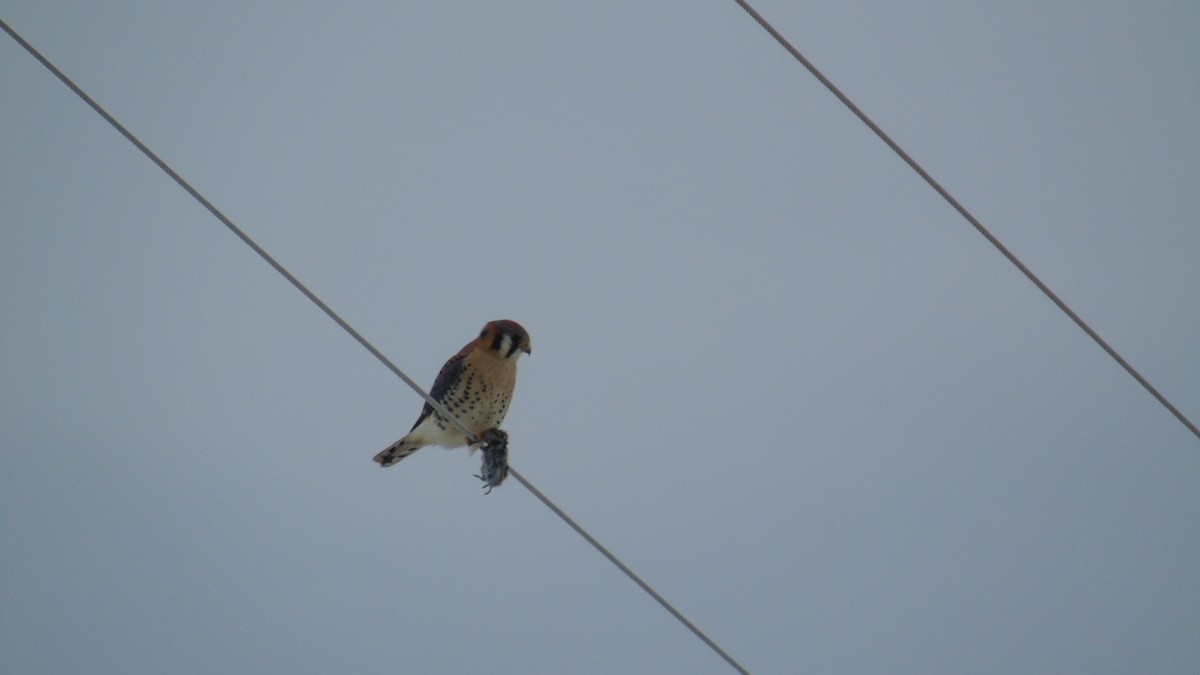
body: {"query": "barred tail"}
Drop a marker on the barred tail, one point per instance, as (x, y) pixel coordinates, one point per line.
(397, 451)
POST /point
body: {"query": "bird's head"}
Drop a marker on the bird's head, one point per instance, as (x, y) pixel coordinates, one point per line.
(506, 338)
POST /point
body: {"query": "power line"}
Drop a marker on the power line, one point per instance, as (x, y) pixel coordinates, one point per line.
(628, 572)
(970, 218)
(441, 409)
(229, 223)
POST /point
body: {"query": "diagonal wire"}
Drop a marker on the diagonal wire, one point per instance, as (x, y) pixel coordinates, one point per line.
(970, 218)
(629, 573)
(230, 224)
(441, 409)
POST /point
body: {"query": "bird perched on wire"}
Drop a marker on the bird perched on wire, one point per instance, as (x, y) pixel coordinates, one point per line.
(476, 386)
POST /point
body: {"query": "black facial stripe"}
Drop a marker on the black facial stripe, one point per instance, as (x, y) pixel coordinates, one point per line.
(496, 341)
(514, 345)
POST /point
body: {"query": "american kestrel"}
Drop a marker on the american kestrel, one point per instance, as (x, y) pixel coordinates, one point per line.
(476, 386)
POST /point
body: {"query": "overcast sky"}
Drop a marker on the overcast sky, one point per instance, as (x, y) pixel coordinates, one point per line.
(772, 370)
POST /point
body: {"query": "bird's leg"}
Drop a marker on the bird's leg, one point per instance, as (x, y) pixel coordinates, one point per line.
(495, 436)
(495, 457)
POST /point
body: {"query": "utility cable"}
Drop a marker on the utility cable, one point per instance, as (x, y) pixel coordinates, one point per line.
(441, 409)
(970, 218)
(628, 572)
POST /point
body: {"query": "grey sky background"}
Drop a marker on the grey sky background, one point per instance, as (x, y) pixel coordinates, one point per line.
(772, 370)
